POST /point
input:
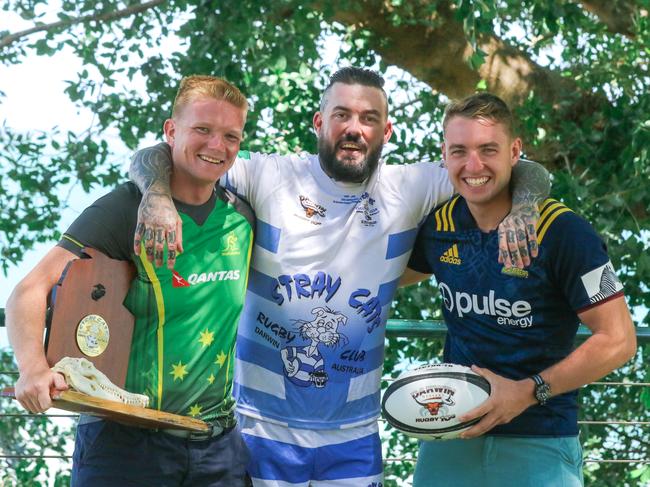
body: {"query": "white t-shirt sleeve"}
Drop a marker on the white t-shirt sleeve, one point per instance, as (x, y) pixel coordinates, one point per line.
(250, 173)
(425, 185)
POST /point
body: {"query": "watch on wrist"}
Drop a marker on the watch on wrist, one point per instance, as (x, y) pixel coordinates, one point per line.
(542, 390)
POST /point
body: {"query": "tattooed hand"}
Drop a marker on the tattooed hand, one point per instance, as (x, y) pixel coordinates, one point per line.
(517, 236)
(158, 222)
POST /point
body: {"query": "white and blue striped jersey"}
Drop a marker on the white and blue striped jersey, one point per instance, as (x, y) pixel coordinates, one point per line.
(326, 263)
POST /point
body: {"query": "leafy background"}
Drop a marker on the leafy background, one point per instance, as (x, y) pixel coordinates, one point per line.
(576, 73)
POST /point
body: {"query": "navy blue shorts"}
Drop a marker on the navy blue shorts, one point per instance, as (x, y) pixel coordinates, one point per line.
(110, 454)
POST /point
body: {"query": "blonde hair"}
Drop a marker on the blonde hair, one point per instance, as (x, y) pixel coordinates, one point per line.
(195, 86)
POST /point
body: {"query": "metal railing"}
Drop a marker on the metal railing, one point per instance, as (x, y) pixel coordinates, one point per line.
(410, 329)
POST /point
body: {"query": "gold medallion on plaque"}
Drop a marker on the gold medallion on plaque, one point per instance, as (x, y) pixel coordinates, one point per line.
(92, 335)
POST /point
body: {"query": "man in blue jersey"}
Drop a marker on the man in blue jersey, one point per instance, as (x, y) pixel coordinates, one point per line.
(334, 232)
(514, 327)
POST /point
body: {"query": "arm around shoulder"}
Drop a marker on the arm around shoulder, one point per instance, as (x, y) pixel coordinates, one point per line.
(152, 166)
(158, 220)
(531, 183)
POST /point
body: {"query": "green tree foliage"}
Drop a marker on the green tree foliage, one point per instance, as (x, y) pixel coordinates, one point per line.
(575, 71)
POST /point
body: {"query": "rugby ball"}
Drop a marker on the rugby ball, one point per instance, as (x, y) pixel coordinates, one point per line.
(426, 402)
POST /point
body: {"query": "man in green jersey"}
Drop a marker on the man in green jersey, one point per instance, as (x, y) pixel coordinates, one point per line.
(183, 341)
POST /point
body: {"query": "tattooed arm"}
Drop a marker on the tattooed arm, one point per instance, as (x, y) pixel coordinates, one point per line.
(517, 236)
(158, 220)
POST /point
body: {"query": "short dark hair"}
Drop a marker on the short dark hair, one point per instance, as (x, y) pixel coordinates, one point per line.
(352, 75)
(481, 106)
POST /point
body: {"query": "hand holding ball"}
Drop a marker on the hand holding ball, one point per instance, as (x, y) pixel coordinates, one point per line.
(426, 402)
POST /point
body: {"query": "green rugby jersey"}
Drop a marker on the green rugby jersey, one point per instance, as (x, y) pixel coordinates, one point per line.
(182, 353)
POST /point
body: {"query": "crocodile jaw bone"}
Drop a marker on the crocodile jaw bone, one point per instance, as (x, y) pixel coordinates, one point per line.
(82, 376)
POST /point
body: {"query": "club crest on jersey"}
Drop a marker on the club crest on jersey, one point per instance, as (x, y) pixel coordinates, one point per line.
(450, 256)
(231, 247)
(312, 209)
(434, 401)
(366, 208)
(514, 272)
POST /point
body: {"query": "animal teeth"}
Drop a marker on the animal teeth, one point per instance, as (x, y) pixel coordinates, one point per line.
(477, 181)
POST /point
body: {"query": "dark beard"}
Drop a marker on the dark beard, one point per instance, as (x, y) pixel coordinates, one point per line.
(347, 173)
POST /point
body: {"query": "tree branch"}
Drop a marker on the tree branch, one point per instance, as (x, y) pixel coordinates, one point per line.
(437, 53)
(618, 16)
(135, 9)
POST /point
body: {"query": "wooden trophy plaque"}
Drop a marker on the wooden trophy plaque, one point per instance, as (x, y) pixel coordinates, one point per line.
(88, 317)
(89, 320)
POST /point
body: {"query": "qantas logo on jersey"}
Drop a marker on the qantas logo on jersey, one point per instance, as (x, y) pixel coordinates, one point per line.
(178, 280)
(194, 279)
(451, 256)
(517, 314)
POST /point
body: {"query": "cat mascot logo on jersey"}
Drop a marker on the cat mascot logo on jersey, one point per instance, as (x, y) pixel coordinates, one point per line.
(304, 366)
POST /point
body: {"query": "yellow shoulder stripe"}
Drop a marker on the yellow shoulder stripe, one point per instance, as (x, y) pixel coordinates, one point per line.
(550, 210)
(444, 221)
(70, 239)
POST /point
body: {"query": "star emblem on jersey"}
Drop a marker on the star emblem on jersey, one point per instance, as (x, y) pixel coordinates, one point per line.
(195, 410)
(178, 280)
(221, 359)
(179, 371)
(207, 337)
(450, 256)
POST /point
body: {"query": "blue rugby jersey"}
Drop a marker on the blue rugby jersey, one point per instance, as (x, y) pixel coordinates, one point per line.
(516, 322)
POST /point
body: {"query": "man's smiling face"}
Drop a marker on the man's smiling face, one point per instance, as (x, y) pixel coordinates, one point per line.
(352, 129)
(205, 137)
(479, 154)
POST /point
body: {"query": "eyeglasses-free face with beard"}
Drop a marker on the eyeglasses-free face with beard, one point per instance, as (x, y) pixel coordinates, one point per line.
(352, 130)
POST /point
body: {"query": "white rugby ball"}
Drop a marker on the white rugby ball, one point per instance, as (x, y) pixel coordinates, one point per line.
(426, 402)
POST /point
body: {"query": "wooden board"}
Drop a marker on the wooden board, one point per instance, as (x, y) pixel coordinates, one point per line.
(75, 298)
(123, 413)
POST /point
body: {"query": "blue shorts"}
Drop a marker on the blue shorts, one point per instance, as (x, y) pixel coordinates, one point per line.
(293, 457)
(110, 454)
(499, 461)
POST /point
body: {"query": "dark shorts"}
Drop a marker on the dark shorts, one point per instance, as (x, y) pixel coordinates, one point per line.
(110, 454)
